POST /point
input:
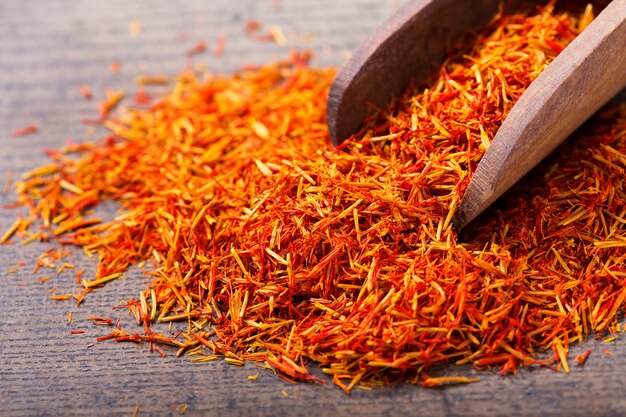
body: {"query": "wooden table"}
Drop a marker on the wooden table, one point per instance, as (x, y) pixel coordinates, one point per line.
(46, 50)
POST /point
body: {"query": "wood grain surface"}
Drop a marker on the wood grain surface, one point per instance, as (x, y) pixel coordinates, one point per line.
(46, 50)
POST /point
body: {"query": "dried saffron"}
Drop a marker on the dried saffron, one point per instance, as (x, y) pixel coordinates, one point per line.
(219, 46)
(275, 247)
(252, 25)
(152, 80)
(112, 99)
(85, 91)
(581, 359)
(115, 67)
(25, 131)
(134, 28)
(198, 48)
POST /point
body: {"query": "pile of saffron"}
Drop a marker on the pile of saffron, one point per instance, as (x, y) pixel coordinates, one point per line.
(274, 247)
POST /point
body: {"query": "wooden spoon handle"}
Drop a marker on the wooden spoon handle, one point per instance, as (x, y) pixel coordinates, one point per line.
(410, 44)
(590, 71)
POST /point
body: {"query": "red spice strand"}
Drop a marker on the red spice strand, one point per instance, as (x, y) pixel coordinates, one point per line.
(142, 97)
(85, 91)
(219, 46)
(252, 25)
(198, 48)
(115, 67)
(25, 131)
(113, 98)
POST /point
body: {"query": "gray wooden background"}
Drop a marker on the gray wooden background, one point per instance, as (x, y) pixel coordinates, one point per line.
(46, 50)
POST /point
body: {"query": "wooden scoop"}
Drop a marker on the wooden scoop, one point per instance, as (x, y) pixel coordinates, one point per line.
(586, 75)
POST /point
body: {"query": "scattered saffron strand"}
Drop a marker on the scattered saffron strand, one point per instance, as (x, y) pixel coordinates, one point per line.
(134, 28)
(581, 359)
(152, 80)
(8, 182)
(219, 46)
(275, 247)
(115, 67)
(112, 100)
(14, 228)
(85, 91)
(252, 25)
(25, 131)
(430, 382)
(198, 48)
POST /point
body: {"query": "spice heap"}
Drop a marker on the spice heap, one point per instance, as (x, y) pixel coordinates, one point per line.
(273, 246)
